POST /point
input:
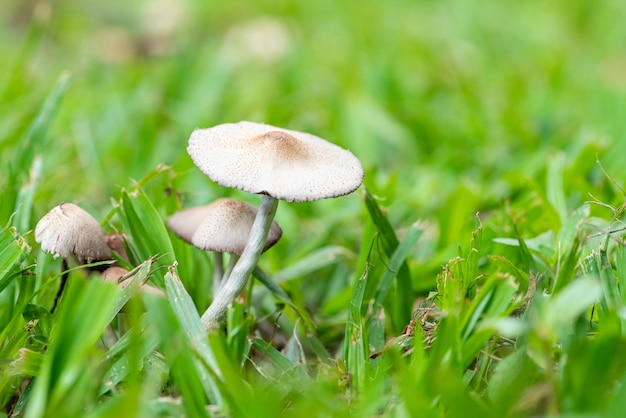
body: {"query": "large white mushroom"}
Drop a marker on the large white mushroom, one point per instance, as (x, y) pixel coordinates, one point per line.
(278, 164)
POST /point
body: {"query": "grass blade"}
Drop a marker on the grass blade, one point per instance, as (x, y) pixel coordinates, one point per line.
(390, 242)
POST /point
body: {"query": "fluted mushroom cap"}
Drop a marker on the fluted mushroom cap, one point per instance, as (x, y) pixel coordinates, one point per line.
(225, 226)
(69, 230)
(288, 165)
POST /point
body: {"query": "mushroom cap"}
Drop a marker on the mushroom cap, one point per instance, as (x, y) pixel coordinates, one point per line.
(115, 241)
(113, 274)
(185, 222)
(225, 226)
(288, 165)
(69, 230)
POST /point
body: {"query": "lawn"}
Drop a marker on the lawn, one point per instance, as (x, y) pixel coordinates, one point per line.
(479, 270)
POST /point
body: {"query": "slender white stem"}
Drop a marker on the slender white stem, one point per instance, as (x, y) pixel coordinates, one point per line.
(219, 281)
(238, 278)
(218, 271)
(229, 268)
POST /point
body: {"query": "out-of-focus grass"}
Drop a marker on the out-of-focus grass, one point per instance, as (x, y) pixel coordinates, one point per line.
(454, 107)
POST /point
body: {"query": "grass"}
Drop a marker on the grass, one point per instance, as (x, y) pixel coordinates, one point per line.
(479, 271)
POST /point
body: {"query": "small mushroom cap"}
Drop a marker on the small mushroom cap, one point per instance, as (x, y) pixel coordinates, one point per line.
(113, 274)
(225, 227)
(69, 230)
(115, 241)
(288, 165)
(185, 222)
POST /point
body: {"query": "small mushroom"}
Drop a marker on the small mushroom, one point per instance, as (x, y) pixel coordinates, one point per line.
(278, 164)
(115, 241)
(221, 226)
(115, 274)
(226, 227)
(68, 230)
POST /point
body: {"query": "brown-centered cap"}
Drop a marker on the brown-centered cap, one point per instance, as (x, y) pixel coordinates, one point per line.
(288, 165)
(69, 230)
(225, 226)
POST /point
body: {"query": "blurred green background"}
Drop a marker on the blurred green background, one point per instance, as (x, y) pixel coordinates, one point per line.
(454, 107)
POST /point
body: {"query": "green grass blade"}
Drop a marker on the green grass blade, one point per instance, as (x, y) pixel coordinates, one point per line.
(390, 242)
(398, 310)
(38, 130)
(316, 260)
(12, 249)
(190, 323)
(148, 235)
(556, 195)
(357, 348)
(620, 269)
(85, 311)
(25, 197)
(189, 375)
(271, 285)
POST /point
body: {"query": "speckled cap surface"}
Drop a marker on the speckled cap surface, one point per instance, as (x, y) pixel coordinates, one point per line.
(288, 165)
(225, 226)
(185, 222)
(69, 230)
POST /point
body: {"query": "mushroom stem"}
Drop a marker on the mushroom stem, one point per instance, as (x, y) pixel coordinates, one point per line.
(64, 275)
(218, 270)
(212, 318)
(229, 268)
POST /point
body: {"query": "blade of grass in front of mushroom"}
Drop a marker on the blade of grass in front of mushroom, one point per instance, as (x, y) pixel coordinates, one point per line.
(118, 369)
(147, 232)
(190, 324)
(193, 380)
(221, 371)
(71, 350)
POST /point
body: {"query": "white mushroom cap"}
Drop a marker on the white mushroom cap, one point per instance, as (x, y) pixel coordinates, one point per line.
(69, 230)
(225, 227)
(185, 222)
(288, 165)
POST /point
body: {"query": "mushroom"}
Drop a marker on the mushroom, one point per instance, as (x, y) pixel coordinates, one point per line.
(115, 241)
(278, 164)
(221, 226)
(68, 230)
(115, 274)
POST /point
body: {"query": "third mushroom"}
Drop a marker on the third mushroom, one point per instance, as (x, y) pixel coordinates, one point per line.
(222, 227)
